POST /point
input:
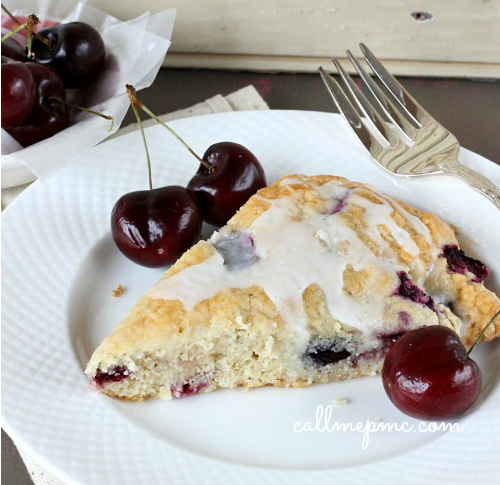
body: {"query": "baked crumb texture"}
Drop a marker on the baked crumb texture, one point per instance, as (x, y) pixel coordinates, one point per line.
(240, 336)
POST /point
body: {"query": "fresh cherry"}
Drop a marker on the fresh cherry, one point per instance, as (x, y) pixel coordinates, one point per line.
(46, 118)
(14, 46)
(232, 174)
(18, 93)
(228, 175)
(428, 374)
(154, 227)
(76, 52)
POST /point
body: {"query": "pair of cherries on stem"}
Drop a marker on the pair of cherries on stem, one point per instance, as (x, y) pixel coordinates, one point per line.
(428, 374)
(154, 227)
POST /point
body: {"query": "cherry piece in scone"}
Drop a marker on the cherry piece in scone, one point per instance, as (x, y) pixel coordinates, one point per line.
(458, 262)
(116, 374)
(154, 227)
(232, 174)
(46, 118)
(18, 93)
(76, 52)
(428, 374)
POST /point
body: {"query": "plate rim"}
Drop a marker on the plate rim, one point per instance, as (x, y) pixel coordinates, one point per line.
(26, 446)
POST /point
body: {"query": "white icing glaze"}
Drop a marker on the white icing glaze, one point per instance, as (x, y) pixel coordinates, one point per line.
(293, 255)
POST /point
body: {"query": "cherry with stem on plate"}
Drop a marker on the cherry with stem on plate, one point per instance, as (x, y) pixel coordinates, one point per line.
(228, 175)
(233, 176)
(428, 373)
(155, 227)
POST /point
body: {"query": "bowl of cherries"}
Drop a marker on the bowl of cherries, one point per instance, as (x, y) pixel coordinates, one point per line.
(61, 76)
(35, 77)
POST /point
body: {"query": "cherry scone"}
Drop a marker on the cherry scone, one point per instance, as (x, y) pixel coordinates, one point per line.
(311, 281)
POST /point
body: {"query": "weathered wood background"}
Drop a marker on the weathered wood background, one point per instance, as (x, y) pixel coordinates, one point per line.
(455, 38)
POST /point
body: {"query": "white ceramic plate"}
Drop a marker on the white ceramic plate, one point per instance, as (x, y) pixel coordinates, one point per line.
(60, 265)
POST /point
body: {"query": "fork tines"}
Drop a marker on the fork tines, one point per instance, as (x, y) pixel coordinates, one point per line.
(390, 114)
(397, 132)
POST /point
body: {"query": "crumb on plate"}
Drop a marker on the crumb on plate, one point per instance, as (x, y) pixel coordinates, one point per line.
(118, 291)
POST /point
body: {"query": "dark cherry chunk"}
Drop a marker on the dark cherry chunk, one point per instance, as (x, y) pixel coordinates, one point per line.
(237, 249)
(187, 389)
(458, 262)
(116, 374)
(408, 289)
(327, 353)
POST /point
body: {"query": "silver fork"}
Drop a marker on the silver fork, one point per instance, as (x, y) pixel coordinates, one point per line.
(417, 143)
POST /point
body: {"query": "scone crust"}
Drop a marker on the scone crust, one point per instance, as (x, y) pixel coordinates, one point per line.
(154, 324)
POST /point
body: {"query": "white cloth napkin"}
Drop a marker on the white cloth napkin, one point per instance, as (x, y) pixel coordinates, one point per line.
(242, 100)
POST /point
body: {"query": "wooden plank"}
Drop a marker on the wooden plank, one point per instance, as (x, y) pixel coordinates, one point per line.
(461, 36)
(311, 64)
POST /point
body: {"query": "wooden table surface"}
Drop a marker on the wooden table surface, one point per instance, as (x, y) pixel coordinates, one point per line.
(470, 109)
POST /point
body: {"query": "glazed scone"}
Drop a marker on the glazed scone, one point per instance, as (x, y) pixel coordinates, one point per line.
(311, 281)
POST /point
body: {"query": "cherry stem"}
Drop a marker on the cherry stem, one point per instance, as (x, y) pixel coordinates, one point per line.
(86, 110)
(9, 13)
(132, 93)
(133, 100)
(30, 23)
(14, 31)
(482, 332)
(38, 36)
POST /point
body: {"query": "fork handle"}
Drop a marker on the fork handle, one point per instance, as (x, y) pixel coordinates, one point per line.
(479, 182)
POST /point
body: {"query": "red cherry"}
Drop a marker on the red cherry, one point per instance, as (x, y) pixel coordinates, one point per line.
(427, 374)
(154, 227)
(233, 176)
(76, 53)
(228, 175)
(46, 118)
(13, 47)
(18, 93)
